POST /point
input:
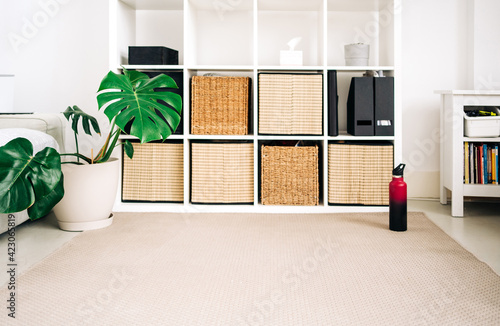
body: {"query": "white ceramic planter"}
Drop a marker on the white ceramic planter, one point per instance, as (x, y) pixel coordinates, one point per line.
(89, 196)
(356, 54)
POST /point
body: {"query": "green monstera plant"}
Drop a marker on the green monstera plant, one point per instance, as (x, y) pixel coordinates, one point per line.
(130, 101)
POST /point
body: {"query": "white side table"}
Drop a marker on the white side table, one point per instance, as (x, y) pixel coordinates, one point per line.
(452, 146)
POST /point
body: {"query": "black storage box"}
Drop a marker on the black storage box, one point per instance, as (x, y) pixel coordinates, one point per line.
(152, 55)
(383, 89)
(360, 107)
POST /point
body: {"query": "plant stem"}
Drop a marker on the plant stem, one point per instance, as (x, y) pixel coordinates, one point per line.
(78, 155)
(111, 145)
(77, 149)
(108, 146)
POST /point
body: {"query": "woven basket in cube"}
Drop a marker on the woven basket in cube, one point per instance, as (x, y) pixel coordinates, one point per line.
(289, 175)
(359, 174)
(222, 173)
(156, 173)
(219, 105)
(291, 104)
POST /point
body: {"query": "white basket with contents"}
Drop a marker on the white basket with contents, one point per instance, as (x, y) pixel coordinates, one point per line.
(482, 122)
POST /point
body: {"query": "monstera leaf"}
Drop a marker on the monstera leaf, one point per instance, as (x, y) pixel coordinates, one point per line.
(44, 205)
(27, 181)
(75, 113)
(131, 98)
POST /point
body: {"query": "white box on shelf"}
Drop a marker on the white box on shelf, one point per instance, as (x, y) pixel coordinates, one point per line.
(483, 126)
(290, 58)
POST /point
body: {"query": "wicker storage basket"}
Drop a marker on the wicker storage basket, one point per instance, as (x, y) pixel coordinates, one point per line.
(359, 174)
(219, 105)
(156, 173)
(222, 173)
(289, 175)
(291, 104)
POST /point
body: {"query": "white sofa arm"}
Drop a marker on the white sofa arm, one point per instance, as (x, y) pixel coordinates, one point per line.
(49, 123)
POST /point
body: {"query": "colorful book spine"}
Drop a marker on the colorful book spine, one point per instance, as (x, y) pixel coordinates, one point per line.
(480, 164)
(472, 171)
(485, 163)
(496, 161)
(493, 166)
(466, 163)
(490, 172)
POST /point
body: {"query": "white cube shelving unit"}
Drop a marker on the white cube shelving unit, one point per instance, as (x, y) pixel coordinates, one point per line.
(244, 38)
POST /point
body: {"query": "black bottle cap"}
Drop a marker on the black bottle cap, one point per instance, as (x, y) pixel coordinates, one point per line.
(398, 171)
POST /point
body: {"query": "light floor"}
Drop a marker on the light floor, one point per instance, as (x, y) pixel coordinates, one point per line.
(478, 232)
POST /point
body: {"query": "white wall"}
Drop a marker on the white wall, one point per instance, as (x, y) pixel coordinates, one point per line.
(485, 61)
(434, 57)
(58, 51)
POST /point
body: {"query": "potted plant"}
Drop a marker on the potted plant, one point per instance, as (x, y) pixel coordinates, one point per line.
(131, 103)
(87, 206)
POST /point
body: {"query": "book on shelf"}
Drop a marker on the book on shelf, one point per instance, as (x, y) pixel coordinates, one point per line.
(493, 164)
(487, 163)
(471, 159)
(480, 163)
(466, 163)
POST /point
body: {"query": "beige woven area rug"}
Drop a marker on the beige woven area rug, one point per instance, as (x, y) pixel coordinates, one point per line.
(258, 269)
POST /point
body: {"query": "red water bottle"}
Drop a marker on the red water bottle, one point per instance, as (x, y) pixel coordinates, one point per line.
(397, 200)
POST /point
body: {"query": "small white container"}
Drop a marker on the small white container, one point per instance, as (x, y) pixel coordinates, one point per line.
(356, 54)
(483, 126)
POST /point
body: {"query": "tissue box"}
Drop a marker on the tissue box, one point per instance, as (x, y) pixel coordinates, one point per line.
(291, 58)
